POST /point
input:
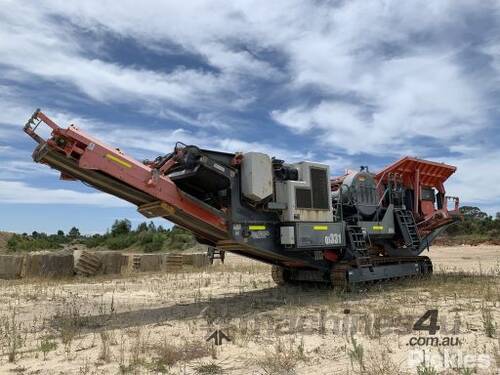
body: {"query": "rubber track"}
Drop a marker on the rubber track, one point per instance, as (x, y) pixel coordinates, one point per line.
(339, 274)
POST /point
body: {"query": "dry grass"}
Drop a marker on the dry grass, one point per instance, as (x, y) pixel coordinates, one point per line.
(208, 368)
(47, 345)
(357, 355)
(167, 354)
(139, 324)
(283, 358)
(380, 363)
(12, 334)
(488, 321)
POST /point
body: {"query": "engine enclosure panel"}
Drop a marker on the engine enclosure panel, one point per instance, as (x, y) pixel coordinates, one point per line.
(309, 198)
(256, 176)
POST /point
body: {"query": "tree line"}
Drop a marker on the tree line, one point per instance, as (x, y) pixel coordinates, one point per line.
(146, 237)
(476, 226)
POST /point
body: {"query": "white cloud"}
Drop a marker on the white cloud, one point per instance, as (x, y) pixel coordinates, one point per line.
(236, 145)
(49, 50)
(133, 138)
(21, 169)
(366, 53)
(355, 76)
(162, 141)
(413, 91)
(397, 101)
(200, 120)
(476, 179)
(21, 193)
(6, 150)
(14, 110)
(58, 55)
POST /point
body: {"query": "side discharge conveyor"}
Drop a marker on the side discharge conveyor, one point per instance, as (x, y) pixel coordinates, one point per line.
(350, 230)
(80, 157)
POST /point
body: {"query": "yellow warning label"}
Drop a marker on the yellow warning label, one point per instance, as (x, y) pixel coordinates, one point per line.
(378, 227)
(320, 227)
(123, 163)
(257, 227)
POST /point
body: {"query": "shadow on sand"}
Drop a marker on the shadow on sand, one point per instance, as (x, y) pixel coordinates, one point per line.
(249, 304)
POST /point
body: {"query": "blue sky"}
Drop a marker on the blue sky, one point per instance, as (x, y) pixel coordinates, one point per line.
(348, 83)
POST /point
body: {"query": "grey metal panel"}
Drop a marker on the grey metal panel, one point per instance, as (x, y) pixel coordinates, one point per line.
(286, 193)
(362, 192)
(287, 235)
(381, 229)
(320, 235)
(242, 216)
(256, 176)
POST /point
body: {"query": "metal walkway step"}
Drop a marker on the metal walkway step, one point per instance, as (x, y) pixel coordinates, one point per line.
(408, 227)
(358, 245)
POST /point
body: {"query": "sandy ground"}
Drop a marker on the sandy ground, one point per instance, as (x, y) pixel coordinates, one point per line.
(476, 259)
(159, 323)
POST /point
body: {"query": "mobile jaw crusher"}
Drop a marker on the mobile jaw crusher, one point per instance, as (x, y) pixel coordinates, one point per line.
(357, 228)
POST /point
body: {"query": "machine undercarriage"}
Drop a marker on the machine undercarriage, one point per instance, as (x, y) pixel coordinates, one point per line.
(357, 228)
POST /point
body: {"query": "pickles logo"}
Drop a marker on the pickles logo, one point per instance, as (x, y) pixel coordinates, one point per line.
(333, 239)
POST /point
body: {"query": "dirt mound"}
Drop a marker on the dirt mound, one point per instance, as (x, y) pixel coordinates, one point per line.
(4, 237)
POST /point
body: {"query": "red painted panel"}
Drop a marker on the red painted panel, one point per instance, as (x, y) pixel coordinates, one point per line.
(95, 155)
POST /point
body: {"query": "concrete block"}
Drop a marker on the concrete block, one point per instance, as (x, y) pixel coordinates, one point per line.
(150, 262)
(11, 266)
(127, 264)
(111, 261)
(198, 260)
(173, 262)
(48, 264)
(86, 263)
(188, 259)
